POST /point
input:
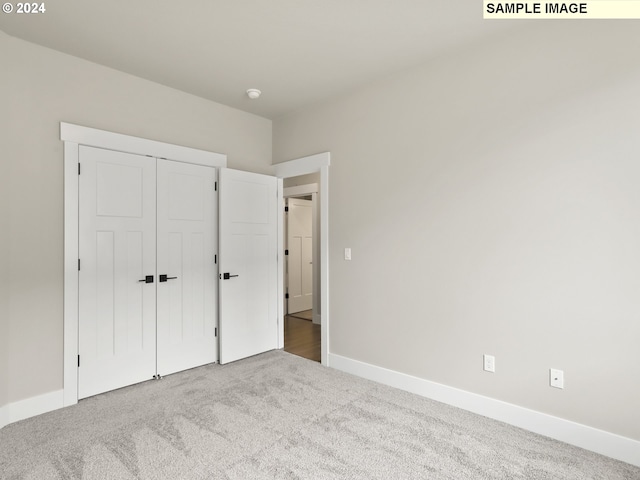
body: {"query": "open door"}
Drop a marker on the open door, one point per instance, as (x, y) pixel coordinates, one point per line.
(248, 264)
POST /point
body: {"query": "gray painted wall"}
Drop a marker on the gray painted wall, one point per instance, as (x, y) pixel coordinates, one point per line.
(302, 180)
(44, 88)
(4, 289)
(4, 246)
(5, 254)
(491, 201)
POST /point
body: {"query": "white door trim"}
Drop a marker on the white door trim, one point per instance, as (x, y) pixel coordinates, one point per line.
(301, 190)
(71, 280)
(301, 166)
(141, 146)
(74, 135)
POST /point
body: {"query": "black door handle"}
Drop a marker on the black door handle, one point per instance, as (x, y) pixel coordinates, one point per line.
(226, 276)
(164, 278)
(147, 279)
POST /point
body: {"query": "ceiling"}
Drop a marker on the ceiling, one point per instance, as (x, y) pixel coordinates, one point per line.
(298, 52)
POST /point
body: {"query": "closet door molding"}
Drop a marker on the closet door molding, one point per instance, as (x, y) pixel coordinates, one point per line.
(124, 143)
(73, 136)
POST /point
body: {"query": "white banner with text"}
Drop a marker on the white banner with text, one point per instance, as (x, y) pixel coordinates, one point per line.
(587, 9)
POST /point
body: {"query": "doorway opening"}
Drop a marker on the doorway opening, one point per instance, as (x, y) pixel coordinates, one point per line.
(302, 322)
(317, 164)
(302, 337)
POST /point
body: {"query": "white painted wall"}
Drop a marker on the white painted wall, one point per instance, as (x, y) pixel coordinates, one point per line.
(43, 88)
(491, 200)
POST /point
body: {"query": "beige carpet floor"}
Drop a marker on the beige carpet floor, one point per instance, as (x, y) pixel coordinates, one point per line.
(278, 416)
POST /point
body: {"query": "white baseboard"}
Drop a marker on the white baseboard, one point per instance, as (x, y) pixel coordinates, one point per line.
(589, 438)
(31, 407)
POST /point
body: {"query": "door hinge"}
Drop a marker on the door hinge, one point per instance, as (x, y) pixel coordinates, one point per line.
(286, 209)
(215, 259)
(286, 296)
(215, 185)
(78, 168)
(216, 332)
(78, 360)
(286, 252)
(78, 264)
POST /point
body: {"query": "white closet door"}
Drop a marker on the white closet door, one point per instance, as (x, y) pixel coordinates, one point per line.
(248, 264)
(187, 297)
(299, 244)
(117, 239)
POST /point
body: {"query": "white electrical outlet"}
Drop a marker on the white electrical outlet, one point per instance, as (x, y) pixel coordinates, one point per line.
(347, 254)
(489, 363)
(556, 378)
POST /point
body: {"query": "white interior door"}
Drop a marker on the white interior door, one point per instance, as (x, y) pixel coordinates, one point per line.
(248, 264)
(117, 251)
(300, 246)
(187, 296)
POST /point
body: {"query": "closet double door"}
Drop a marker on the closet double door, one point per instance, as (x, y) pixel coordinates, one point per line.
(147, 268)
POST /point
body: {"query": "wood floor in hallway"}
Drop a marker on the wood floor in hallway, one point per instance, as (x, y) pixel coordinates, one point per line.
(302, 337)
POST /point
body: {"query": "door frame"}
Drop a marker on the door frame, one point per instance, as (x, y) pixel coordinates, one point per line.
(319, 162)
(73, 136)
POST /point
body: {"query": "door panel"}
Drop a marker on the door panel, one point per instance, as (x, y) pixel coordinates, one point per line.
(248, 253)
(117, 230)
(142, 217)
(187, 300)
(119, 191)
(299, 244)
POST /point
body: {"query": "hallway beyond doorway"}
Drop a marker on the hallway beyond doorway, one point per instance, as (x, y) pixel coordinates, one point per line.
(301, 336)
(305, 315)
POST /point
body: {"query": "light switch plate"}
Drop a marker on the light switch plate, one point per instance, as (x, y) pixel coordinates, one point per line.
(347, 254)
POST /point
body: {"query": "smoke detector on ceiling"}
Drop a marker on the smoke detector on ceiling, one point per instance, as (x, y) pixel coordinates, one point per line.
(253, 93)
